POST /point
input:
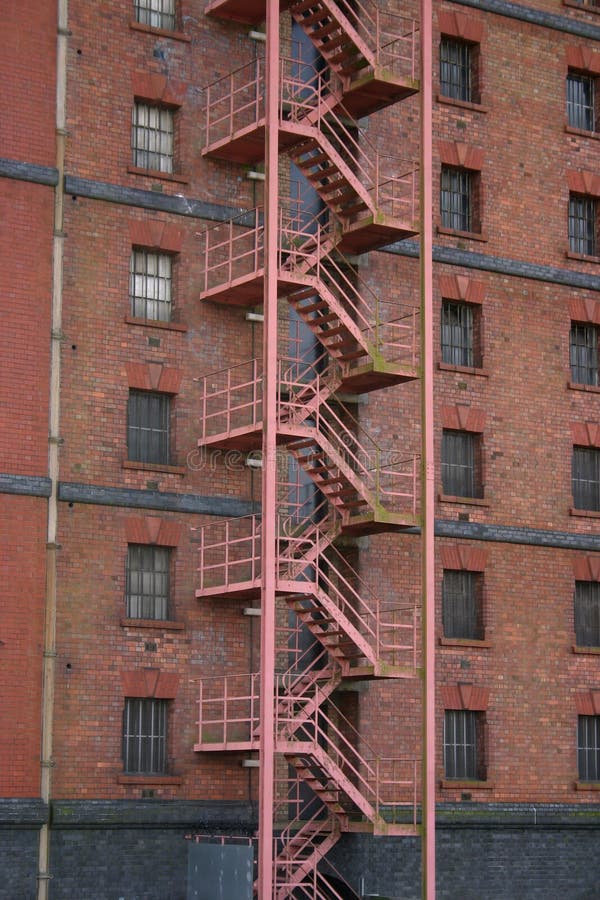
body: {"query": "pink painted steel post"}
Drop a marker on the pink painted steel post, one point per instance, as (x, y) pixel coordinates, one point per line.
(269, 469)
(428, 463)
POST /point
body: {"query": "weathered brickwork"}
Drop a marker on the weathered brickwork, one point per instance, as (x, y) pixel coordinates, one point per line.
(22, 555)
(524, 675)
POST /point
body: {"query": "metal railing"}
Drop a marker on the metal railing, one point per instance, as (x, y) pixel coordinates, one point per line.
(230, 399)
(390, 631)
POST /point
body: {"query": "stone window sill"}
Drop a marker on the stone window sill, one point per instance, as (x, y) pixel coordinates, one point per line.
(450, 784)
(464, 642)
(153, 467)
(466, 370)
(470, 501)
(461, 104)
(469, 235)
(591, 388)
(585, 513)
(587, 651)
(587, 785)
(581, 132)
(149, 779)
(154, 173)
(155, 323)
(161, 624)
(582, 257)
(163, 32)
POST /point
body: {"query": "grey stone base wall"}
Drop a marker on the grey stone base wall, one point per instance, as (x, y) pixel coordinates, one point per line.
(107, 850)
(485, 853)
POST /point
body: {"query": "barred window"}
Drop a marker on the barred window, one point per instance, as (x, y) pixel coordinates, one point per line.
(457, 199)
(581, 101)
(157, 13)
(582, 225)
(145, 736)
(583, 351)
(459, 334)
(586, 478)
(588, 747)
(463, 744)
(148, 427)
(461, 466)
(456, 69)
(150, 283)
(152, 137)
(587, 613)
(147, 592)
(462, 604)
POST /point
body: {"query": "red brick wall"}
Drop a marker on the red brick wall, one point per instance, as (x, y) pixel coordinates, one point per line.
(26, 277)
(22, 555)
(27, 104)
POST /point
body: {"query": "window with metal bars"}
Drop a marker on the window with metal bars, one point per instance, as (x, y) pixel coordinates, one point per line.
(583, 224)
(581, 101)
(462, 604)
(147, 591)
(150, 283)
(457, 199)
(461, 466)
(586, 478)
(156, 13)
(456, 69)
(145, 736)
(459, 334)
(152, 137)
(148, 427)
(588, 747)
(463, 745)
(583, 352)
(587, 613)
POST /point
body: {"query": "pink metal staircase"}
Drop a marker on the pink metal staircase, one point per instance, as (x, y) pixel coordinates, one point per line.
(369, 200)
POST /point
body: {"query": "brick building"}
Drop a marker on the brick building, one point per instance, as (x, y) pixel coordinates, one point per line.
(129, 445)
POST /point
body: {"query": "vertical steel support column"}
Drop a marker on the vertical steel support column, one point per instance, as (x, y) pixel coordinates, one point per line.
(428, 463)
(269, 469)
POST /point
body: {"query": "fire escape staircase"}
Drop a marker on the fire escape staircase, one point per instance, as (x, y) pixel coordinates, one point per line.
(364, 489)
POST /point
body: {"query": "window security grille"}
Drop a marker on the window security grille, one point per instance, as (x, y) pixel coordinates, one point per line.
(581, 101)
(147, 582)
(148, 427)
(582, 225)
(157, 13)
(587, 613)
(583, 352)
(461, 605)
(461, 740)
(588, 748)
(150, 281)
(152, 137)
(455, 199)
(586, 478)
(455, 70)
(460, 475)
(457, 334)
(145, 736)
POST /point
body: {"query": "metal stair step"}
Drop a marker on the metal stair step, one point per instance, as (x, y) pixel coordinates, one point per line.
(303, 5)
(322, 320)
(311, 307)
(315, 17)
(324, 30)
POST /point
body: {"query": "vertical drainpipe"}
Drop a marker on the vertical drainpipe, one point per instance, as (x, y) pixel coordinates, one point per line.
(49, 659)
(428, 464)
(269, 469)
